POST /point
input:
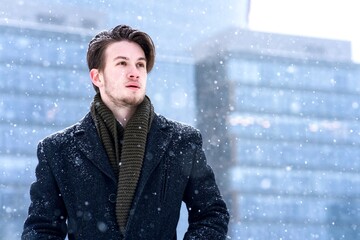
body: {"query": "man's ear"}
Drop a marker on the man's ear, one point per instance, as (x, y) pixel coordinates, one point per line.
(95, 77)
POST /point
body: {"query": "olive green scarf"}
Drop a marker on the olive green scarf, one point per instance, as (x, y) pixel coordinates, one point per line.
(125, 159)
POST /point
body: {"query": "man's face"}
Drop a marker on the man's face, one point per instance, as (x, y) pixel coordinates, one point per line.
(122, 83)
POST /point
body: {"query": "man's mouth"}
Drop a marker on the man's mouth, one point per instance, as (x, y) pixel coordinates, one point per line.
(133, 85)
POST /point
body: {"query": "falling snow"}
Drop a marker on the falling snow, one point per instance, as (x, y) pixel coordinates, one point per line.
(278, 114)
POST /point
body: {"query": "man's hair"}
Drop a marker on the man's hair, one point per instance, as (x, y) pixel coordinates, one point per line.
(98, 45)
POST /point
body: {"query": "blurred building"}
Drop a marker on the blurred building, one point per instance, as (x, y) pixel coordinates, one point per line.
(281, 114)
(45, 82)
(45, 86)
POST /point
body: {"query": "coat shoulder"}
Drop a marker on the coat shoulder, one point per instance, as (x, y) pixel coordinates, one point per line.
(179, 129)
(66, 135)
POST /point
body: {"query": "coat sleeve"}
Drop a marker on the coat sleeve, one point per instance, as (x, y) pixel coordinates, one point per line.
(47, 214)
(208, 214)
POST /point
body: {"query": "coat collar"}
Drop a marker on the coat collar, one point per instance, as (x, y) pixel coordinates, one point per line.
(88, 141)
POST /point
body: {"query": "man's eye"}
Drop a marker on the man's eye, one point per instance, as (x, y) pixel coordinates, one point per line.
(141, 65)
(123, 63)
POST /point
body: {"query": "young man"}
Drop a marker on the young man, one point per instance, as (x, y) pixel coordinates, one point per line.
(123, 171)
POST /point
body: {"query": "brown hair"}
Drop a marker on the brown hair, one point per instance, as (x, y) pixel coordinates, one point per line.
(98, 45)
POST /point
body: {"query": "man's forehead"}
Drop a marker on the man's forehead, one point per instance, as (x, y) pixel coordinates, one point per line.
(124, 49)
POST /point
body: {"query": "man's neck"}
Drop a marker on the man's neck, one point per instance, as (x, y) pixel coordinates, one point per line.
(123, 114)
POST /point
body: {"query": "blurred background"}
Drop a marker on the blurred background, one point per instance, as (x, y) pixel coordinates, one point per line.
(273, 86)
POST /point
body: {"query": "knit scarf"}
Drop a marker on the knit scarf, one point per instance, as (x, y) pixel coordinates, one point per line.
(126, 160)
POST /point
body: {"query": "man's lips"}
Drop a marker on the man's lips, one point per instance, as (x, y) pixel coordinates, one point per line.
(133, 85)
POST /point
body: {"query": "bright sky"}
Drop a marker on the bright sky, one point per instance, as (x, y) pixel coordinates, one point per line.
(334, 19)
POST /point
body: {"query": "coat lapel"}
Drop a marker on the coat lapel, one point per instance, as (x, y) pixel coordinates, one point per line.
(88, 141)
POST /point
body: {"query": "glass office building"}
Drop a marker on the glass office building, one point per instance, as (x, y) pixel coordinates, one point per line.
(45, 82)
(285, 133)
(49, 89)
(45, 87)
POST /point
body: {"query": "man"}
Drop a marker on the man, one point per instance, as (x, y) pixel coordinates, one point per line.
(123, 171)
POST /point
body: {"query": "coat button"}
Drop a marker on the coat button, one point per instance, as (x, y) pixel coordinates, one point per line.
(112, 198)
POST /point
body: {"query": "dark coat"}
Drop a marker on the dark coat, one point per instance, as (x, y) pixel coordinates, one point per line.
(75, 188)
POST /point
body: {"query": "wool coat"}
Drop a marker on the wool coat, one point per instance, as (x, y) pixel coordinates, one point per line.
(74, 193)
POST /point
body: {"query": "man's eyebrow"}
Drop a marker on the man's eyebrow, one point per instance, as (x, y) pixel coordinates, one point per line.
(126, 58)
(120, 57)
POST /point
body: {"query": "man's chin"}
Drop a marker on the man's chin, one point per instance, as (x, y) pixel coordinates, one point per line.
(134, 100)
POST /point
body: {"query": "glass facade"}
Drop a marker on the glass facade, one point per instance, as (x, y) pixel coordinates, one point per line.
(292, 127)
(45, 88)
(44, 92)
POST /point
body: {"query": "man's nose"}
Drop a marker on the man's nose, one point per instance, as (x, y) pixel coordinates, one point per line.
(133, 73)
